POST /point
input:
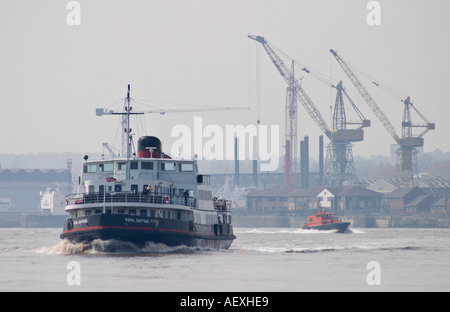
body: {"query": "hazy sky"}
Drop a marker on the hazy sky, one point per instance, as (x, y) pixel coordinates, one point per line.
(53, 75)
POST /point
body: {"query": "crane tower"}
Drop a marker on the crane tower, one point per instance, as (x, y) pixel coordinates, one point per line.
(290, 157)
(407, 169)
(339, 164)
(406, 166)
(294, 92)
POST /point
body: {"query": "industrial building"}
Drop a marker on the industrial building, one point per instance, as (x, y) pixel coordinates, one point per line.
(418, 200)
(348, 199)
(20, 191)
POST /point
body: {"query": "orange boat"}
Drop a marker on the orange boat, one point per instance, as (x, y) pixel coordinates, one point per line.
(325, 221)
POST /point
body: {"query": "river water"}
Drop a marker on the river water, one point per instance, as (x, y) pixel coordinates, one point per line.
(259, 260)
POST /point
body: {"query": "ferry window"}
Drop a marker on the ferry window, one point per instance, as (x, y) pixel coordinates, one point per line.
(101, 189)
(187, 167)
(143, 212)
(146, 165)
(133, 165)
(98, 211)
(106, 167)
(132, 212)
(121, 166)
(90, 168)
(202, 179)
(121, 211)
(87, 212)
(170, 166)
(134, 188)
(117, 188)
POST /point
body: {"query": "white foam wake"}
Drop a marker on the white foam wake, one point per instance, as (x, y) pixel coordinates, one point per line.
(99, 246)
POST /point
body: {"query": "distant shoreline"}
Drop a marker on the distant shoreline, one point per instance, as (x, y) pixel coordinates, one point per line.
(242, 219)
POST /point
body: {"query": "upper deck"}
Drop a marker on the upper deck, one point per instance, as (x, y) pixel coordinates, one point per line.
(151, 173)
(176, 171)
(157, 179)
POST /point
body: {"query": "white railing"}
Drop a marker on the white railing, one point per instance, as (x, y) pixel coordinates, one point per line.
(128, 197)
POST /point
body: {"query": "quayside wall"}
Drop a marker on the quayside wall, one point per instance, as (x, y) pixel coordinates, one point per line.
(295, 221)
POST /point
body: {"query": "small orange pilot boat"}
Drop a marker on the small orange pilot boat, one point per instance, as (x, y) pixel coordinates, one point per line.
(325, 221)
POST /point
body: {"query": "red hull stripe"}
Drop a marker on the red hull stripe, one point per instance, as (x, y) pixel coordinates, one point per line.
(134, 228)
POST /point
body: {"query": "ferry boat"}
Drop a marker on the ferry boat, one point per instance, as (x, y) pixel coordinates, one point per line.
(147, 198)
(52, 201)
(326, 221)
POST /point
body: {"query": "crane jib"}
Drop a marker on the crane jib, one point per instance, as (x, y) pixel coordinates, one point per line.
(367, 97)
(290, 80)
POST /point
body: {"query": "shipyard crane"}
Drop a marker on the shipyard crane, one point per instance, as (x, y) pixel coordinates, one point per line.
(339, 164)
(407, 170)
(127, 111)
(339, 156)
(294, 92)
(406, 166)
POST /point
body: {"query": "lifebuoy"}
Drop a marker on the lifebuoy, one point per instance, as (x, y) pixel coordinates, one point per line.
(166, 199)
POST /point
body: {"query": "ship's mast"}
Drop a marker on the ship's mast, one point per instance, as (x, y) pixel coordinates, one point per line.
(126, 112)
(128, 131)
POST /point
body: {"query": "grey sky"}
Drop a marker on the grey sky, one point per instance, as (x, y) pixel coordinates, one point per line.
(53, 75)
